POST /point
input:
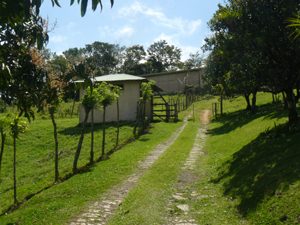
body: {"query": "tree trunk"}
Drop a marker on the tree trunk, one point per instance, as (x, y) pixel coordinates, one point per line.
(137, 118)
(56, 147)
(118, 122)
(92, 139)
(73, 104)
(293, 114)
(221, 104)
(248, 101)
(15, 177)
(2, 148)
(103, 138)
(144, 115)
(285, 103)
(80, 143)
(254, 99)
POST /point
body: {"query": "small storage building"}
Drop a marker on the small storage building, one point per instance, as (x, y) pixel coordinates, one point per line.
(128, 100)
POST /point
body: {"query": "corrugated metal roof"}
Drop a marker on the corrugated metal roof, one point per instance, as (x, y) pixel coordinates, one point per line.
(115, 77)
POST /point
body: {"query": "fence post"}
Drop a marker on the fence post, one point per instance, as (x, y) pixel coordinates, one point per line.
(216, 109)
(193, 112)
(167, 112)
(221, 105)
(176, 111)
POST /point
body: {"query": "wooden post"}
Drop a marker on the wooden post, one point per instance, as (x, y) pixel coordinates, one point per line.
(151, 109)
(176, 111)
(221, 106)
(193, 112)
(167, 112)
(216, 109)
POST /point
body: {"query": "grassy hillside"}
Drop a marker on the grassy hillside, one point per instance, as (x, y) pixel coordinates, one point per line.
(249, 173)
(48, 203)
(251, 169)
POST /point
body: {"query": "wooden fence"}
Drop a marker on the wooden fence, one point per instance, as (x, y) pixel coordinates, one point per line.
(175, 104)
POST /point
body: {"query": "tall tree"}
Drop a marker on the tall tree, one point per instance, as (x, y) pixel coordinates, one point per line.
(104, 56)
(163, 57)
(133, 57)
(117, 91)
(89, 101)
(194, 61)
(254, 41)
(17, 126)
(108, 96)
(4, 130)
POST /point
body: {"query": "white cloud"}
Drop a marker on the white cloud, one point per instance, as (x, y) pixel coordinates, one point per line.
(121, 32)
(173, 40)
(180, 25)
(71, 25)
(186, 50)
(125, 31)
(58, 39)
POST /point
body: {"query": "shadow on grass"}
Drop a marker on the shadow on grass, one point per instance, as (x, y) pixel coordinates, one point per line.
(261, 169)
(237, 119)
(76, 130)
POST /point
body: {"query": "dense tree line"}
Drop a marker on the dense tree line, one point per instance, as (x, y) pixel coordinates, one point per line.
(252, 49)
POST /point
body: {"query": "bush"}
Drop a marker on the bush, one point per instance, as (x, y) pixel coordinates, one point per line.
(3, 106)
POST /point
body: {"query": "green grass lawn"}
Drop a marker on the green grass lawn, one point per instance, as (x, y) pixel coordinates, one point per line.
(250, 176)
(35, 169)
(250, 173)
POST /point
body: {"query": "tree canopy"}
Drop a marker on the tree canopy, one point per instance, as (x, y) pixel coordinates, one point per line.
(252, 49)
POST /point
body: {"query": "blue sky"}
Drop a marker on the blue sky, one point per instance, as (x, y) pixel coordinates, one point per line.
(132, 22)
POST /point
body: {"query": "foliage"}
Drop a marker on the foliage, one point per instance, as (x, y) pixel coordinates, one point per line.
(147, 93)
(103, 56)
(18, 126)
(108, 96)
(194, 61)
(246, 57)
(163, 57)
(146, 89)
(133, 57)
(4, 130)
(294, 22)
(91, 99)
(89, 102)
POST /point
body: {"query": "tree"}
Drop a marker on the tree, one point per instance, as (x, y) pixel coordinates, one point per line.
(4, 130)
(132, 59)
(21, 27)
(294, 22)
(195, 61)
(104, 56)
(17, 126)
(107, 98)
(53, 100)
(117, 91)
(89, 101)
(147, 93)
(244, 38)
(163, 57)
(18, 11)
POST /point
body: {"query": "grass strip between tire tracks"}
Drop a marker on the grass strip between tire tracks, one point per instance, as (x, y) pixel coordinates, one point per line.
(147, 202)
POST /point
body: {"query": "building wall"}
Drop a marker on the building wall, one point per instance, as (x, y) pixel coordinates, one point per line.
(173, 82)
(127, 105)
